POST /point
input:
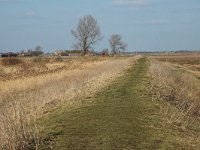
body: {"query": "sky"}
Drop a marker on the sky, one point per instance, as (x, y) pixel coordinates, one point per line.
(145, 25)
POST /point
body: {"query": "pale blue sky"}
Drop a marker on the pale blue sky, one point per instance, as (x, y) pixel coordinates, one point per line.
(143, 24)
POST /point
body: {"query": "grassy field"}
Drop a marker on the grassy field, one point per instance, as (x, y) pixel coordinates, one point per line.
(190, 59)
(189, 63)
(121, 116)
(99, 103)
(26, 98)
(21, 67)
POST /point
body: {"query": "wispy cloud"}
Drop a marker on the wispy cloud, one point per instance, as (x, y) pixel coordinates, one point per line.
(132, 2)
(31, 14)
(158, 21)
(152, 21)
(9, 0)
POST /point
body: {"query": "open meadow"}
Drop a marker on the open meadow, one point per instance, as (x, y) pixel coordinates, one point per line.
(100, 103)
(99, 75)
(188, 62)
(31, 87)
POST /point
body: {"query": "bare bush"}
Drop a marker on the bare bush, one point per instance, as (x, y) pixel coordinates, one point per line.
(178, 88)
(2, 71)
(37, 59)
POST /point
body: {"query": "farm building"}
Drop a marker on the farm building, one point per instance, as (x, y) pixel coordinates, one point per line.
(10, 54)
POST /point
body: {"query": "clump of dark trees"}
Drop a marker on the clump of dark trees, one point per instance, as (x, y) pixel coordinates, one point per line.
(30, 52)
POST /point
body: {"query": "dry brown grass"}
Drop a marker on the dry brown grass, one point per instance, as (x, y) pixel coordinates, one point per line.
(10, 61)
(178, 88)
(37, 66)
(23, 100)
(192, 59)
(190, 63)
(18, 126)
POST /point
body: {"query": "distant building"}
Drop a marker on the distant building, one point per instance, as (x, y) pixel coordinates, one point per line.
(64, 54)
(75, 54)
(69, 53)
(10, 54)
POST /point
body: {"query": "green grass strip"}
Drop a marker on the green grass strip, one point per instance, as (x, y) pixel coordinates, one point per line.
(121, 116)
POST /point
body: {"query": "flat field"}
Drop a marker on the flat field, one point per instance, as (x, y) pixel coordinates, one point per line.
(182, 59)
(124, 115)
(32, 87)
(100, 103)
(187, 62)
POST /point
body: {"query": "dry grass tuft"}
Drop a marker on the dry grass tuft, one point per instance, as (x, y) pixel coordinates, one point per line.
(58, 59)
(41, 60)
(10, 61)
(18, 126)
(178, 88)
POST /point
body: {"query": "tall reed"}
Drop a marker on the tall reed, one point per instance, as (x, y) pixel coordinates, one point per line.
(178, 88)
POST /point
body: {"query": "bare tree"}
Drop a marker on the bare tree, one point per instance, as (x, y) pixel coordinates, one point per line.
(38, 48)
(36, 52)
(87, 33)
(116, 44)
(105, 52)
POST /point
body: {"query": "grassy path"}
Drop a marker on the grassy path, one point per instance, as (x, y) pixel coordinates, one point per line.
(121, 116)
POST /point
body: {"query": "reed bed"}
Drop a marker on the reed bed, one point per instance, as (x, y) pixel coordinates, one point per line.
(179, 89)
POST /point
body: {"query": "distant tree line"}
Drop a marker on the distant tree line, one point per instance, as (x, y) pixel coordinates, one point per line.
(33, 52)
(37, 51)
